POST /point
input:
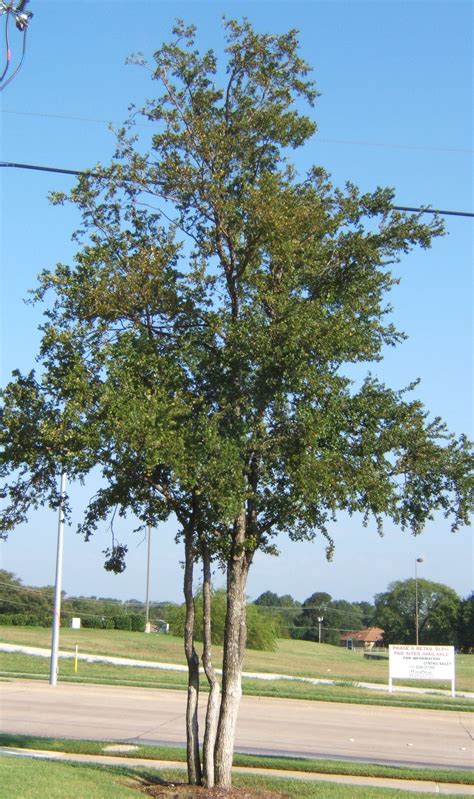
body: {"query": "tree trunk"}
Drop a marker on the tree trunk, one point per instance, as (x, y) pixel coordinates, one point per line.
(192, 728)
(212, 713)
(234, 648)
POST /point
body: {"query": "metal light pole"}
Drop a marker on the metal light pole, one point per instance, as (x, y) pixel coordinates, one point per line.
(57, 587)
(418, 560)
(320, 621)
(147, 594)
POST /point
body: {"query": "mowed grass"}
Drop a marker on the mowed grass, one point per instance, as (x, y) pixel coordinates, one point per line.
(272, 762)
(32, 779)
(298, 658)
(25, 778)
(29, 667)
(296, 789)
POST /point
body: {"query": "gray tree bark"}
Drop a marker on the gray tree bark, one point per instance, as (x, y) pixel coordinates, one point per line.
(192, 727)
(234, 648)
(212, 713)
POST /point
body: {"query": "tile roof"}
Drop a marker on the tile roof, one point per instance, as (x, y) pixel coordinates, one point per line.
(371, 634)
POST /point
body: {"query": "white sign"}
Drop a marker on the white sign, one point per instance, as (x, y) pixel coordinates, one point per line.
(421, 663)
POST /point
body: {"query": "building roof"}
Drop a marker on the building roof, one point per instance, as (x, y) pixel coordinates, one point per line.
(370, 635)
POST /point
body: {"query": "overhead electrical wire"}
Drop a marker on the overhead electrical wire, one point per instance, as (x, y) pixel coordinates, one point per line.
(47, 593)
(60, 170)
(65, 611)
(320, 139)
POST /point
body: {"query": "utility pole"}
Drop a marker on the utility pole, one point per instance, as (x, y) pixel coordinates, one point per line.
(53, 674)
(320, 621)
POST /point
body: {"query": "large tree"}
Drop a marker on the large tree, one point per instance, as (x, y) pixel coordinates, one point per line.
(196, 348)
(438, 610)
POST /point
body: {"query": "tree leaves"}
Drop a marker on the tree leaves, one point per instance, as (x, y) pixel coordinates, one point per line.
(438, 609)
(196, 348)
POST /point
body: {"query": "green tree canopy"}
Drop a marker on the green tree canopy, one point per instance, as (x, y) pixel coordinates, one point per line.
(281, 608)
(262, 630)
(465, 626)
(196, 349)
(438, 608)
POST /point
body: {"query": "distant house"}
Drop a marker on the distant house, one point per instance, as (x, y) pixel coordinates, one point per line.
(363, 639)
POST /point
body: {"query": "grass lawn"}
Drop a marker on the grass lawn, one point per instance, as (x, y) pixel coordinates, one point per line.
(321, 790)
(305, 765)
(32, 779)
(25, 778)
(28, 666)
(298, 658)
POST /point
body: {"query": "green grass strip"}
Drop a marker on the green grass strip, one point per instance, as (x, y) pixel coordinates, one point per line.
(304, 765)
(299, 789)
(33, 779)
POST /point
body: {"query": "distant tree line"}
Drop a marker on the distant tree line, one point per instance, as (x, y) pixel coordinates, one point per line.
(301, 619)
(27, 606)
(319, 614)
(443, 617)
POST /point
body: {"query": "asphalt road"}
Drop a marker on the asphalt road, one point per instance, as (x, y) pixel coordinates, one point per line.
(271, 726)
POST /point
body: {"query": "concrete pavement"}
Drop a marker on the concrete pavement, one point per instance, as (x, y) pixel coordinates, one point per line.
(265, 725)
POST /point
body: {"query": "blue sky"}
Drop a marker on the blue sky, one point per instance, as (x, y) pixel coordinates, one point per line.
(395, 110)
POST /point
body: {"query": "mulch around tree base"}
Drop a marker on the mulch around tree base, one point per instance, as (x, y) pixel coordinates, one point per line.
(177, 790)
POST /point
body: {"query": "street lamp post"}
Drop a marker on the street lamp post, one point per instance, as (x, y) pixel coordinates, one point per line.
(320, 621)
(418, 560)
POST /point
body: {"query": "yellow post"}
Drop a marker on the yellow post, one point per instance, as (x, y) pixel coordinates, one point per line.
(75, 659)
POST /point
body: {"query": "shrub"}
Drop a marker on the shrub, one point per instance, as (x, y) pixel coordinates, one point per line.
(262, 630)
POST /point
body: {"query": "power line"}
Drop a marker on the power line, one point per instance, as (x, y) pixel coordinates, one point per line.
(65, 611)
(60, 170)
(299, 612)
(47, 592)
(14, 587)
(432, 211)
(38, 168)
(315, 627)
(319, 139)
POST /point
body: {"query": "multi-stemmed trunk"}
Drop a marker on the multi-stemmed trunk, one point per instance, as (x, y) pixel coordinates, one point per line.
(192, 727)
(221, 716)
(212, 713)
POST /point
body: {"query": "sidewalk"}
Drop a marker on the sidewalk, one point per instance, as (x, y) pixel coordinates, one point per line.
(418, 786)
(148, 664)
